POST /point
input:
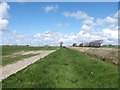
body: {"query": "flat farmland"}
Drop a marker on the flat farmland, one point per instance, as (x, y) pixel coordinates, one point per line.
(7, 50)
(11, 54)
(65, 68)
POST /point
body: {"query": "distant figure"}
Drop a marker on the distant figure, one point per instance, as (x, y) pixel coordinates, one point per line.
(61, 43)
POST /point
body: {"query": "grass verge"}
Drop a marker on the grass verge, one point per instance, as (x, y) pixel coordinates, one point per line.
(65, 68)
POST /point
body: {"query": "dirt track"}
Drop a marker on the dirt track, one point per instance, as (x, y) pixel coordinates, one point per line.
(15, 67)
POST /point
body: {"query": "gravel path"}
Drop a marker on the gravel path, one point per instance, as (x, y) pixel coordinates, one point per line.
(15, 67)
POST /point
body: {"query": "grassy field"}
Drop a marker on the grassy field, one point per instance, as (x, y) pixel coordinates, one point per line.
(12, 59)
(65, 68)
(7, 50)
(114, 47)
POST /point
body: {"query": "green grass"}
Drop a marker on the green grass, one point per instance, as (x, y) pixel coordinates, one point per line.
(65, 68)
(11, 59)
(7, 50)
(0, 50)
(114, 47)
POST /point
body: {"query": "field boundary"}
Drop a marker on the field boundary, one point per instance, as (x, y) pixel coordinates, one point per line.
(105, 54)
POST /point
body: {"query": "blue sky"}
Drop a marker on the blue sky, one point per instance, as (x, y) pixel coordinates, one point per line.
(52, 22)
(30, 18)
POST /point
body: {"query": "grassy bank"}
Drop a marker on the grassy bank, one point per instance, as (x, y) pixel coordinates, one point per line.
(106, 54)
(65, 68)
(7, 50)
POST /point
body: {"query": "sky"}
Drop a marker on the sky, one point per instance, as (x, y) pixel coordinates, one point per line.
(48, 23)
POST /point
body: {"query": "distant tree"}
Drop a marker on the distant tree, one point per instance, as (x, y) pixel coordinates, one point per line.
(7, 45)
(27, 45)
(110, 45)
(74, 45)
(46, 45)
(86, 44)
(96, 43)
(91, 44)
(64, 47)
(81, 44)
(61, 43)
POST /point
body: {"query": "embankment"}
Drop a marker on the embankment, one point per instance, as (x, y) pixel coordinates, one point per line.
(106, 54)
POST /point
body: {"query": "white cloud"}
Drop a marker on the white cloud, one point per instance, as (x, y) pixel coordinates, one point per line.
(4, 7)
(87, 21)
(88, 32)
(54, 37)
(112, 33)
(109, 30)
(111, 20)
(50, 8)
(107, 20)
(62, 25)
(3, 24)
(86, 27)
(77, 15)
(107, 27)
(117, 14)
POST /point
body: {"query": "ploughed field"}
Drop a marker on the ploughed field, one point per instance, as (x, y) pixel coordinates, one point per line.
(65, 68)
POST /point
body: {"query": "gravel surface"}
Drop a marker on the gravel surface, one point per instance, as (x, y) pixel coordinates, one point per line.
(15, 67)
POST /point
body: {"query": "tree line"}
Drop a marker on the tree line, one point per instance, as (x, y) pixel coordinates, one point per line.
(96, 43)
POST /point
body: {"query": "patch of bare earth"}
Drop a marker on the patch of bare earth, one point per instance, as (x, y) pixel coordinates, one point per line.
(22, 53)
(27, 52)
(105, 54)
